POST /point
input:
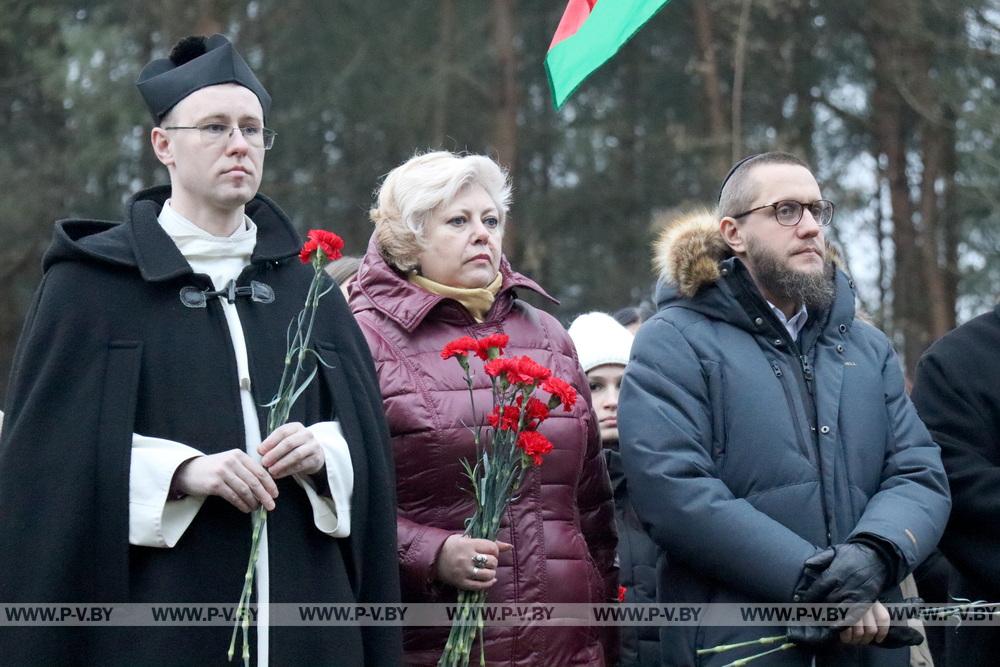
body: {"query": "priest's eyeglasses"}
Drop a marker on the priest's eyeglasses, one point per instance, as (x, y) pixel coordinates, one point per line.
(788, 212)
(217, 133)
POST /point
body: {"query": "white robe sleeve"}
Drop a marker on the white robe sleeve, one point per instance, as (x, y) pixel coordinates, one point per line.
(153, 520)
(332, 515)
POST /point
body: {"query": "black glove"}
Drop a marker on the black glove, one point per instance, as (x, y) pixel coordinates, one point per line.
(815, 635)
(811, 635)
(900, 636)
(811, 570)
(857, 574)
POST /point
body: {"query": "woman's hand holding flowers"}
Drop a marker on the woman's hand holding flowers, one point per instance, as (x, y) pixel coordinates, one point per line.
(456, 566)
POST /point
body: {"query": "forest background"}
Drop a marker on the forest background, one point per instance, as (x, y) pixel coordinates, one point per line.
(894, 102)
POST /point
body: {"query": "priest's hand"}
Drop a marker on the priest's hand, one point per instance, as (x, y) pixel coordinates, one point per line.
(458, 562)
(231, 475)
(291, 449)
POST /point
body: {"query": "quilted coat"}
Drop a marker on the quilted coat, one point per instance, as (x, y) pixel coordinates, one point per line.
(562, 522)
(747, 452)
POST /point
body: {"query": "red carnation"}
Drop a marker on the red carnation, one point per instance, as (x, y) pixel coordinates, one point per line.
(534, 445)
(320, 239)
(535, 413)
(507, 421)
(562, 392)
(621, 594)
(492, 346)
(496, 367)
(525, 371)
(460, 347)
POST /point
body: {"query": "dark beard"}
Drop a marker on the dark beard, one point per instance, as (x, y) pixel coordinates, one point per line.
(814, 290)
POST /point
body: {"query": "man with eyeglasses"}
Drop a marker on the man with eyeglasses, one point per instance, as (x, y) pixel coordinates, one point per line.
(764, 429)
(133, 447)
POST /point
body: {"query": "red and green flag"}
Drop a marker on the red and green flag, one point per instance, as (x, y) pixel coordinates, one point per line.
(590, 32)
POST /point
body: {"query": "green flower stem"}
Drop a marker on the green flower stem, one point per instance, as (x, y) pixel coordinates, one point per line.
(723, 648)
(242, 610)
(504, 468)
(462, 635)
(281, 407)
(300, 345)
(484, 524)
(750, 658)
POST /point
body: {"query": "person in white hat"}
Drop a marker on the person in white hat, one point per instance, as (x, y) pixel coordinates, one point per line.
(603, 346)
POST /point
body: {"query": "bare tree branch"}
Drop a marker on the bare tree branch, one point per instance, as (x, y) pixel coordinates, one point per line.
(858, 122)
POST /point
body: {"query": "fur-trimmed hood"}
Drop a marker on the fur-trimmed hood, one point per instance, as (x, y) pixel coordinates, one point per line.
(689, 251)
(690, 255)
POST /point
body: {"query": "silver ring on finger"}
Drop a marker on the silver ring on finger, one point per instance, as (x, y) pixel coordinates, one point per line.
(479, 560)
(475, 572)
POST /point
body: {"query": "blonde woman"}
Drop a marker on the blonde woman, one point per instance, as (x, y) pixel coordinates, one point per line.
(435, 271)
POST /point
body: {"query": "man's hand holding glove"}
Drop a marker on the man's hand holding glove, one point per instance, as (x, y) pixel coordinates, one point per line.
(897, 636)
(852, 573)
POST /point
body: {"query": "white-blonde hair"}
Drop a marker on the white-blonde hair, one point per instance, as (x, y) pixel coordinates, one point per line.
(414, 189)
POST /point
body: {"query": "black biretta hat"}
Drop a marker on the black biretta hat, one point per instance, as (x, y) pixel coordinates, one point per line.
(195, 63)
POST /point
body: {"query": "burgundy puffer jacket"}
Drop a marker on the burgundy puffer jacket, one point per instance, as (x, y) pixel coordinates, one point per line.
(562, 524)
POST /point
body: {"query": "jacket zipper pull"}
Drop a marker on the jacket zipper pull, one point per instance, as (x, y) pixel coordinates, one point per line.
(776, 369)
(807, 371)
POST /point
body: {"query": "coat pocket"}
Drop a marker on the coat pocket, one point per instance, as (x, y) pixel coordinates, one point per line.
(716, 397)
(119, 395)
(803, 435)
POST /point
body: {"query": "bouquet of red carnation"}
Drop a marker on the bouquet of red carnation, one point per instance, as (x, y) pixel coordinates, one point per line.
(501, 460)
(321, 248)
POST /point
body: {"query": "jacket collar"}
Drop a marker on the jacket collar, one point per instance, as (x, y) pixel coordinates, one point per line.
(387, 291)
(699, 272)
(158, 258)
(736, 284)
(734, 298)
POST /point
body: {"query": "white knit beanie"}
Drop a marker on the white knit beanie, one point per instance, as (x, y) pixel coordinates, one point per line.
(600, 339)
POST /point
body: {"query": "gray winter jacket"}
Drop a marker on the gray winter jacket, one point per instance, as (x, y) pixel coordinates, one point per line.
(747, 452)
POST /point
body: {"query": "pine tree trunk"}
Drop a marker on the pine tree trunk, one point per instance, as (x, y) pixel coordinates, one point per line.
(508, 99)
(711, 88)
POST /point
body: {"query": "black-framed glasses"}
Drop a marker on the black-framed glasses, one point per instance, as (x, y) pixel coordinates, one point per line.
(788, 212)
(218, 133)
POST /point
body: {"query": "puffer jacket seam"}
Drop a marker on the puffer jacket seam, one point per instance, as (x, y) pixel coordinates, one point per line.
(772, 489)
(395, 356)
(400, 359)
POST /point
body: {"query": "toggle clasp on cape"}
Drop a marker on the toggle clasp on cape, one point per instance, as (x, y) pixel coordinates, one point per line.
(259, 292)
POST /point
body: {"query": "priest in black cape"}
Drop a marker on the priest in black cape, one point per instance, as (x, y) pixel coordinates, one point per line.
(134, 443)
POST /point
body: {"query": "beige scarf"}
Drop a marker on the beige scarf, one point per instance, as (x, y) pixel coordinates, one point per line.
(477, 300)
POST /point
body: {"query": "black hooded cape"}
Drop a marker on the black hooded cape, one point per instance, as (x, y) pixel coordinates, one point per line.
(109, 349)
